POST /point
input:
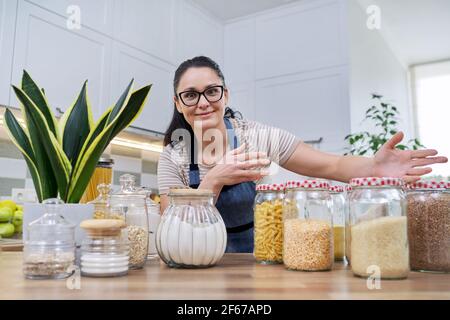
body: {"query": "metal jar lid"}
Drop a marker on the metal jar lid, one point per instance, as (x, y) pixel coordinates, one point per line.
(105, 162)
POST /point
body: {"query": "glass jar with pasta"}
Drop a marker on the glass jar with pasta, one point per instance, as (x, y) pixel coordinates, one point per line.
(101, 175)
(308, 229)
(268, 248)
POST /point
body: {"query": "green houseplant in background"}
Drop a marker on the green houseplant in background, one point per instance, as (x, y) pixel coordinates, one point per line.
(385, 116)
(61, 155)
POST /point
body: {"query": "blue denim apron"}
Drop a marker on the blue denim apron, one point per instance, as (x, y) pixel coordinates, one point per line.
(235, 203)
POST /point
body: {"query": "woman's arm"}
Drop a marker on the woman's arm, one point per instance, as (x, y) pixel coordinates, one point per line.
(388, 161)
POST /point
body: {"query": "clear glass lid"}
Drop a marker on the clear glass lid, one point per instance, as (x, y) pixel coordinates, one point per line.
(52, 228)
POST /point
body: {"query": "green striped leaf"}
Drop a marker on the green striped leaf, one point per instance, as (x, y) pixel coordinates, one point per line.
(23, 143)
(86, 165)
(38, 97)
(48, 147)
(76, 124)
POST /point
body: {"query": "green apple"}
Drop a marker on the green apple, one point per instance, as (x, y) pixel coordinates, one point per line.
(6, 230)
(18, 228)
(9, 204)
(5, 214)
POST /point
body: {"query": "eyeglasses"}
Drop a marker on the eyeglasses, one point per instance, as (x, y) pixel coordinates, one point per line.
(191, 98)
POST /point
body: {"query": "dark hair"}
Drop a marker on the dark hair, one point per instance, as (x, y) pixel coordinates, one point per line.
(178, 121)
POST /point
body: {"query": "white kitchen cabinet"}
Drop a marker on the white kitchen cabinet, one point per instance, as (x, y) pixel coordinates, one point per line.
(147, 25)
(60, 59)
(130, 63)
(8, 11)
(97, 14)
(309, 105)
(197, 33)
(300, 38)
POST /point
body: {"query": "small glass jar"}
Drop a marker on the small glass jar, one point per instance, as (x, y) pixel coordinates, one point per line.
(191, 233)
(104, 252)
(308, 234)
(102, 175)
(338, 212)
(348, 189)
(49, 250)
(130, 203)
(268, 220)
(101, 204)
(379, 242)
(429, 226)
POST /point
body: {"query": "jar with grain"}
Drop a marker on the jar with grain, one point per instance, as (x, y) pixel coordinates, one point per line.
(191, 233)
(429, 226)
(338, 211)
(49, 249)
(130, 202)
(268, 230)
(347, 192)
(308, 234)
(104, 251)
(379, 242)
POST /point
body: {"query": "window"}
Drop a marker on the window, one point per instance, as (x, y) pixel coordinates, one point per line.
(431, 90)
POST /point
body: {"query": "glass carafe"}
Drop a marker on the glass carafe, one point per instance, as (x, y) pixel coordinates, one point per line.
(130, 202)
(49, 250)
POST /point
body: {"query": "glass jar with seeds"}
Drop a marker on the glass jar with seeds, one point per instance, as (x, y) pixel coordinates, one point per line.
(268, 230)
(130, 202)
(308, 234)
(338, 205)
(429, 226)
(49, 249)
(378, 223)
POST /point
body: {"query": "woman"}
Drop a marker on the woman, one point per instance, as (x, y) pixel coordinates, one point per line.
(221, 152)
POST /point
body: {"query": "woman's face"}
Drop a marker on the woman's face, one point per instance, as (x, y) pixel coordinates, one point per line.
(204, 114)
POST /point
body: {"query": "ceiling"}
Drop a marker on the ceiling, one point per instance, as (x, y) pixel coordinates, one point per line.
(230, 9)
(417, 30)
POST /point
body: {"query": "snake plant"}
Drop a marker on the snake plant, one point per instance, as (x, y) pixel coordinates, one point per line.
(61, 155)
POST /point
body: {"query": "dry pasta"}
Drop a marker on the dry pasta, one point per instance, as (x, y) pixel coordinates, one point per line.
(101, 175)
(269, 231)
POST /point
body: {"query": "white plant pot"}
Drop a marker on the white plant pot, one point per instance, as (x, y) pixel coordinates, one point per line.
(72, 212)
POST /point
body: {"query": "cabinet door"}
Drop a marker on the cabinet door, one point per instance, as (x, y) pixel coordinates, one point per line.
(130, 63)
(8, 10)
(61, 59)
(97, 14)
(309, 105)
(146, 25)
(198, 34)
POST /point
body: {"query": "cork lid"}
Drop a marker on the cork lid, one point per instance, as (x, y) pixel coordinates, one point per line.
(103, 227)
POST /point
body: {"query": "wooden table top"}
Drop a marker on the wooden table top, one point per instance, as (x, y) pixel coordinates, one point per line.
(237, 276)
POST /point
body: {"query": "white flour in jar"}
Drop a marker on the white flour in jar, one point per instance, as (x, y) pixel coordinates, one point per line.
(188, 244)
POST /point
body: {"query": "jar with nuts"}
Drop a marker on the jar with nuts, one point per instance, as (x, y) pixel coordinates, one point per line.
(428, 213)
(268, 230)
(130, 202)
(308, 227)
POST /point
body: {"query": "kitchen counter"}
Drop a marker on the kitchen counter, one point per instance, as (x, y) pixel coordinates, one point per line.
(237, 276)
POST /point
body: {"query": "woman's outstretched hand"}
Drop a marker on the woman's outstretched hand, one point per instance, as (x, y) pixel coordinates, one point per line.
(406, 164)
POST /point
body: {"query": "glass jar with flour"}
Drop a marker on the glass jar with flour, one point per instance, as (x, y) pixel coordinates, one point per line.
(191, 233)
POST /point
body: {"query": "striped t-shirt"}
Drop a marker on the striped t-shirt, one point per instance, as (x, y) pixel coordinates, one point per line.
(173, 165)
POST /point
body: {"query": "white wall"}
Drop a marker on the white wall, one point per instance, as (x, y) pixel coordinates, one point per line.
(288, 67)
(374, 68)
